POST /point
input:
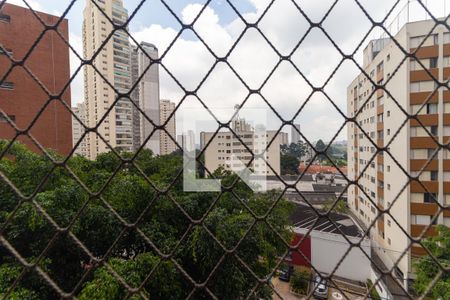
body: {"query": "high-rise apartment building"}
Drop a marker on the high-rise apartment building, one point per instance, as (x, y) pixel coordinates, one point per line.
(410, 146)
(295, 135)
(78, 129)
(113, 71)
(187, 140)
(146, 96)
(167, 145)
(21, 97)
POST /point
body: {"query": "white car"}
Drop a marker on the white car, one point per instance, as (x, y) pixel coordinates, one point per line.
(320, 287)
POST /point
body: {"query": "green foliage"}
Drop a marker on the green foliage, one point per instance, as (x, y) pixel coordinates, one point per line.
(289, 164)
(290, 157)
(373, 292)
(300, 281)
(340, 207)
(427, 269)
(337, 153)
(296, 150)
(128, 197)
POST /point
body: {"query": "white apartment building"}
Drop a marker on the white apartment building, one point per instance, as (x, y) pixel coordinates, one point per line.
(146, 96)
(167, 145)
(78, 129)
(381, 178)
(295, 135)
(226, 150)
(113, 63)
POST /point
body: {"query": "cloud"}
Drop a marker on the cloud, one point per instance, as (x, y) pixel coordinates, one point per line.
(33, 3)
(253, 59)
(77, 85)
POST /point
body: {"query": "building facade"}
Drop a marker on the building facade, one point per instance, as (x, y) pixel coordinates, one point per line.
(187, 140)
(112, 73)
(167, 144)
(146, 96)
(382, 176)
(225, 150)
(78, 129)
(21, 96)
(295, 134)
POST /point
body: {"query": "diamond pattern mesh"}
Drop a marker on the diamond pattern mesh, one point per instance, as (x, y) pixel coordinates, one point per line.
(224, 252)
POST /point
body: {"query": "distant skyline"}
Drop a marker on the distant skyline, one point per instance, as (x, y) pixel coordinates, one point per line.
(253, 59)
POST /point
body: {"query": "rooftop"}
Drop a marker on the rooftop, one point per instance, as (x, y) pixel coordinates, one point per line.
(305, 217)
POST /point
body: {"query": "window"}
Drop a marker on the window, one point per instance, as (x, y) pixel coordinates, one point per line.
(433, 175)
(4, 51)
(5, 18)
(432, 108)
(430, 153)
(423, 41)
(434, 130)
(447, 38)
(422, 86)
(446, 62)
(433, 62)
(380, 67)
(3, 119)
(429, 197)
(7, 85)
(420, 219)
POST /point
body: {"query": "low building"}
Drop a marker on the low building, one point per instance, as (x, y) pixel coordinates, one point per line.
(226, 150)
(316, 168)
(322, 242)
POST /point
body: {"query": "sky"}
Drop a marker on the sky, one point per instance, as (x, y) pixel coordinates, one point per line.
(286, 91)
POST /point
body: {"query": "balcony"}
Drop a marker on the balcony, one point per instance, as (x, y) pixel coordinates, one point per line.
(423, 75)
(425, 142)
(427, 51)
(416, 230)
(420, 97)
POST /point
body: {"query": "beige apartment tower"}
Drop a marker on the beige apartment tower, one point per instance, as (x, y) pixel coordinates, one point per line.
(78, 129)
(382, 176)
(112, 63)
(167, 144)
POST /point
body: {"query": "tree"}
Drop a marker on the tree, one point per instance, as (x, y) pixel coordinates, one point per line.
(129, 197)
(294, 149)
(340, 207)
(427, 269)
(300, 281)
(320, 146)
(289, 164)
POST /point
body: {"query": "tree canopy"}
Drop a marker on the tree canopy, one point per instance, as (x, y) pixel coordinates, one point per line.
(160, 238)
(427, 269)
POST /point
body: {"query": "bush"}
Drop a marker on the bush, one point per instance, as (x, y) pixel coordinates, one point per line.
(300, 281)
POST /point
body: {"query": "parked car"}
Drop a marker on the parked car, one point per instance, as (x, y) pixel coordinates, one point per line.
(320, 287)
(285, 272)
